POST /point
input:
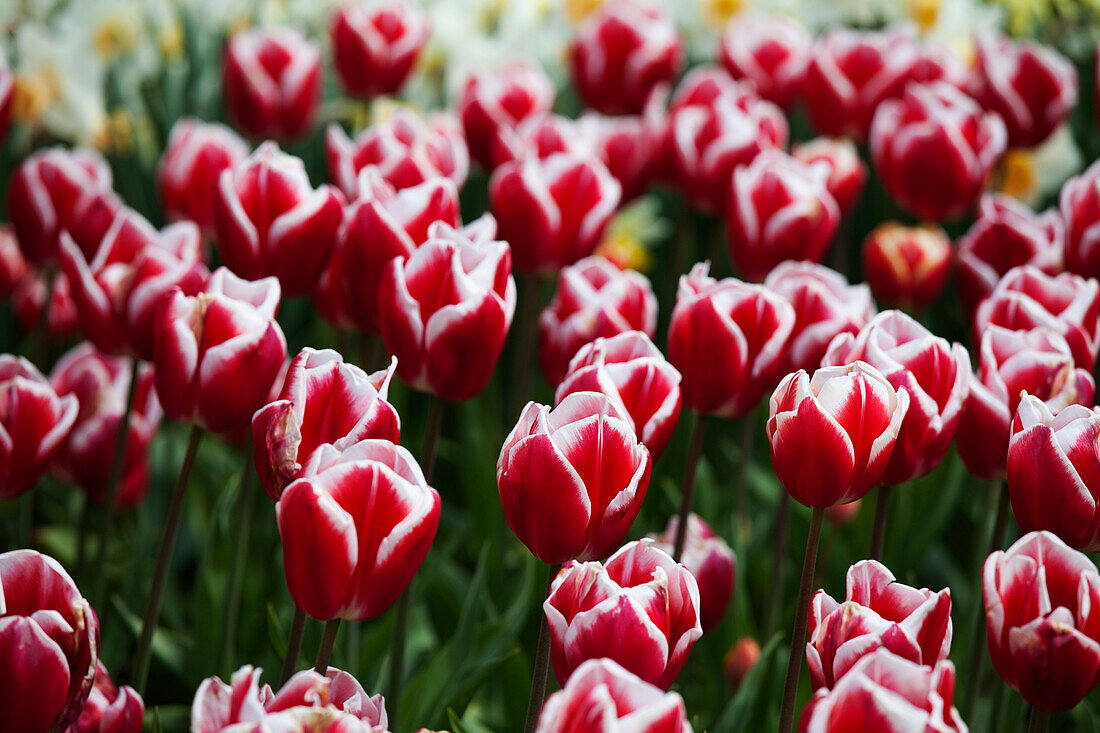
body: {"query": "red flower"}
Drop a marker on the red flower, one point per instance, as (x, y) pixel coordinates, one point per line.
(272, 82)
(847, 173)
(494, 101)
(771, 51)
(110, 709)
(710, 561)
(375, 45)
(907, 265)
(193, 161)
(1080, 206)
(29, 299)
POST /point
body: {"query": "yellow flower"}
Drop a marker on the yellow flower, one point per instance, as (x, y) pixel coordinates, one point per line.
(121, 132)
(34, 94)
(924, 13)
(626, 251)
(171, 40)
(576, 11)
(717, 13)
(115, 37)
(1018, 177)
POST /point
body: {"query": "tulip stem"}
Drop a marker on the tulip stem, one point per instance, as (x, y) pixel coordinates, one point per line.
(86, 509)
(164, 557)
(779, 561)
(542, 664)
(527, 323)
(328, 640)
(243, 514)
(431, 437)
(1039, 721)
(687, 496)
(103, 557)
(798, 636)
(397, 664)
(293, 645)
(878, 532)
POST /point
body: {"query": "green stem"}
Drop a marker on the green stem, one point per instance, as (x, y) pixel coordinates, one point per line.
(328, 640)
(431, 437)
(779, 561)
(397, 665)
(542, 665)
(293, 645)
(798, 636)
(86, 510)
(26, 519)
(878, 533)
(1039, 721)
(687, 495)
(526, 326)
(244, 511)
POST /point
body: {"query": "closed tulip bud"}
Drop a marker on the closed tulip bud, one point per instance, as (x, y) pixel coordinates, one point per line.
(194, 157)
(710, 561)
(29, 300)
(494, 101)
(1043, 639)
(640, 608)
(110, 709)
(936, 375)
(271, 222)
(633, 374)
(621, 53)
(727, 338)
(271, 80)
(572, 479)
(1006, 234)
(553, 211)
(825, 305)
(832, 435)
(878, 612)
(117, 290)
(217, 353)
(739, 661)
(907, 265)
(101, 384)
(342, 558)
(406, 148)
(49, 643)
(780, 209)
(602, 697)
(593, 298)
(1079, 203)
(446, 310)
(934, 148)
(1038, 362)
(34, 422)
(58, 190)
(1032, 87)
(847, 172)
(375, 45)
(323, 400)
(771, 51)
(890, 694)
(1027, 298)
(843, 514)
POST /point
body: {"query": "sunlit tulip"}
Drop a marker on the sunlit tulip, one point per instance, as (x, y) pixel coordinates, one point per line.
(771, 51)
(847, 172)
(907, 265)
(271, 79)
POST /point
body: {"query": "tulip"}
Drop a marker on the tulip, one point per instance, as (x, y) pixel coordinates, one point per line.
(494, 101)
(218, 352)
(934, 148)
(376, 45)
(446, 310)
(1038, 362)
(602, 697)
(29, 302)
(887, 693)
(572, 479)
(727, 339)
(1006, 234)
(1032, 87)
(938, 61)
(194, 157)
(552, 212)
(271, 80)
(1043, 640)
(110, 709)
(594, 298)
(739, 661)
(779, 209)
(271, 222)
(634, 375)
(1079, 203)
(407, 150)
(49, 644)
(101, 384)
(825, 305)
(14, 268)
(1027, 298)
(57, 190)
(709, 560)
(847, 173)
(7, 95)
(907, 265)
(621, 53)
(878, 612)
(640, 609)
(771, 51)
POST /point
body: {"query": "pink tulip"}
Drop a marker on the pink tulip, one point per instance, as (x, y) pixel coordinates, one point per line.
(492, 102)
(376, 45)
(771, 51)
(110, 709)
(271, 79)
(194, 157)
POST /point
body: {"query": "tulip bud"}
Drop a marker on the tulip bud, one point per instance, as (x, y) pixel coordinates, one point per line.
(7, 95)
(110, 709)
(323, 400)
(710, 561)
(29, 300)
(49, 641)
(1043, 640)
(842, 514)
(594, 298)
(771, 51)
(272, 82)
(934, 148)
(727, 339)
(572, 479)
(640, 609)
(494, 101)
(832, 435)
(218, 352)
(1032, 87)
(907, 265)
(739, 661)
(780, 209)
(446, 310)
(552, 212)
(847, 173)
(193, 161)
(375, 45)
(634, 375)
(1006, 234)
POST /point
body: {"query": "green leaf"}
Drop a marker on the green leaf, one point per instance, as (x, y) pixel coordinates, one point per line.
(740, 710)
